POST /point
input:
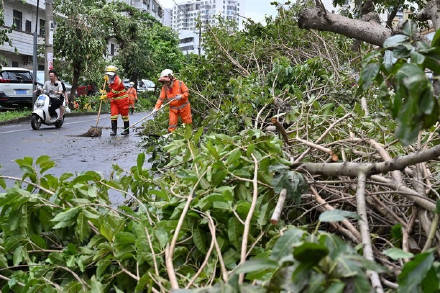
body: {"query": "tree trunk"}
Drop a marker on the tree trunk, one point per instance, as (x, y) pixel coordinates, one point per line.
(76, 74)
(370, 32)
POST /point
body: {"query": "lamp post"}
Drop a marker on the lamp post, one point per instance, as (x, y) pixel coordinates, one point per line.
(35, 57)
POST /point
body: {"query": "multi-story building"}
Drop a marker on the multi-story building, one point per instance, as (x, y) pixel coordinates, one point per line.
(187, 15)
(152, 6)
(21, 16)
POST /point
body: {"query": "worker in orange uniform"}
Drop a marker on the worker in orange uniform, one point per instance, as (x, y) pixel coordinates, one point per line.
(175, 91)
(132, 96)
(118, 96)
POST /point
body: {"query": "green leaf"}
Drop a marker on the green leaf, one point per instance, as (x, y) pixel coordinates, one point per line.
(310, 253)
(417, 58)
(388, 59)
(293, 182)
(284, 244)
(2, 183)
(199, 239)
(431, 283)
(394, 41)
(96, 286)
(233, 157)
(336, 287)
(66, 215)
(140, 161)
(414, 272)
(397, 253)
(141, 284)
(409, 28)
(368, 75)
(337, 216)
(18, 255)
(257, 264)
(436, 40)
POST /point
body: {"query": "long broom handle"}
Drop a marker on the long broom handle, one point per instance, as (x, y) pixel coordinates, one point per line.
(149, 115)
(100, 104)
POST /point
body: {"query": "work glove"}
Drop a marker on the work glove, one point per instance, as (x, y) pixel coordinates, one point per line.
(103, 97)
(154, 112)
(103, 92)
(106, 77)
(178, 97)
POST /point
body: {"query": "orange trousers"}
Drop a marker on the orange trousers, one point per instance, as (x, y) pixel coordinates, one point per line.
(119, 107)
(184, 114)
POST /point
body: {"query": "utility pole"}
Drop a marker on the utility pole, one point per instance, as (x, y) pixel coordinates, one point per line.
(35, 57)
(49, 39)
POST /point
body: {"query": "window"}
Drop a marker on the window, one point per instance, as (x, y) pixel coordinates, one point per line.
(28, 26)
(18, 20)
(14, 64)
(112, 49)
(42, 27)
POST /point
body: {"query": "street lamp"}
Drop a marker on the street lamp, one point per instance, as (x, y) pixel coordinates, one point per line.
(34, 57)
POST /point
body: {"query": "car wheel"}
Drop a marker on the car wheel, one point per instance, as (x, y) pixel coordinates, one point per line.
(35, 122)
(59, 123)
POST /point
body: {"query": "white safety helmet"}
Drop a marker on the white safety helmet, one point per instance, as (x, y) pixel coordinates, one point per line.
(166, 75)
(131, 83)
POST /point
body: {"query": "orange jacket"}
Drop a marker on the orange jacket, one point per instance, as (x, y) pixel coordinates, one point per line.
(132, 94)
(177, 88)
(117, 90)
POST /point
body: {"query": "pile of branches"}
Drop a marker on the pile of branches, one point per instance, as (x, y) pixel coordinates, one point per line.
(392, 188)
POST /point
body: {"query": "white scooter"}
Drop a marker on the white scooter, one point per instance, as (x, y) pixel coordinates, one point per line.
(40, 114)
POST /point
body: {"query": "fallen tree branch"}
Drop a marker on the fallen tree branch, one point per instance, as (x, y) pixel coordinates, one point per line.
(169, 250)
(352, 169)
(247, 222)
(370, 32)
(351, 231)
(365, 230)
(279, 207)
(217, 248)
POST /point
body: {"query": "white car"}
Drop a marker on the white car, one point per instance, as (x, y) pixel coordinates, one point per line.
(146, 85)
(15, 86)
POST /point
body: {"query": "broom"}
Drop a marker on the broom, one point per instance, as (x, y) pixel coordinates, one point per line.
(149, 115)
(95, 131)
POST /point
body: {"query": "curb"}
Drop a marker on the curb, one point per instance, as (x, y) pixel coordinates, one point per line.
(27, 118)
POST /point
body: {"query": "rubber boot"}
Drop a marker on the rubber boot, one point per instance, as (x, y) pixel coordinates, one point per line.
(114, 127)
(126, 125)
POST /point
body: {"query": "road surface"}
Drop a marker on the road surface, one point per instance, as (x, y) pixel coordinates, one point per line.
(71, 154)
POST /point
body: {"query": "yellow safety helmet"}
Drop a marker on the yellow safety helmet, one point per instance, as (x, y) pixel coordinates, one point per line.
(111, 69)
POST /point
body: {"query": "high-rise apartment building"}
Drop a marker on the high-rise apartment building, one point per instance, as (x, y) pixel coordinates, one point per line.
(186, 15)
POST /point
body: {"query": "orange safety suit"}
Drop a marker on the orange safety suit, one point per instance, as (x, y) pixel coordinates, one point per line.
(178, 108)
(132, 96)
(119, 102)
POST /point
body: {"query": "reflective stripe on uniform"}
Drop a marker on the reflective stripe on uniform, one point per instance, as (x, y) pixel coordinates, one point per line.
(115, 117)
(118, 92)
(121, 97)
(179, 107)
(125, 118)
(172, 126)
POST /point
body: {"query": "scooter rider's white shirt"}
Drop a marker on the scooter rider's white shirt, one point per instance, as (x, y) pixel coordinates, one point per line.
(51, 88)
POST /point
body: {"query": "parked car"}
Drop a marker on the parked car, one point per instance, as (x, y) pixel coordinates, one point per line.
(15, 86)
(146, 85)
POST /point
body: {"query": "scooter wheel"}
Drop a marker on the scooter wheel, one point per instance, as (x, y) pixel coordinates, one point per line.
(59, 123)
(35, 122)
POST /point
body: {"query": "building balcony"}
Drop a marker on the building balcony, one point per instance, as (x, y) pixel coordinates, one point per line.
(21, 41)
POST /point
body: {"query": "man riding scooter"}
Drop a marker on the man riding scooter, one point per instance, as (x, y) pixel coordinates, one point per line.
(54, 90)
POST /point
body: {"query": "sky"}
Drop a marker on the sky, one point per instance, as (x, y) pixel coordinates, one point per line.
(254, 9)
